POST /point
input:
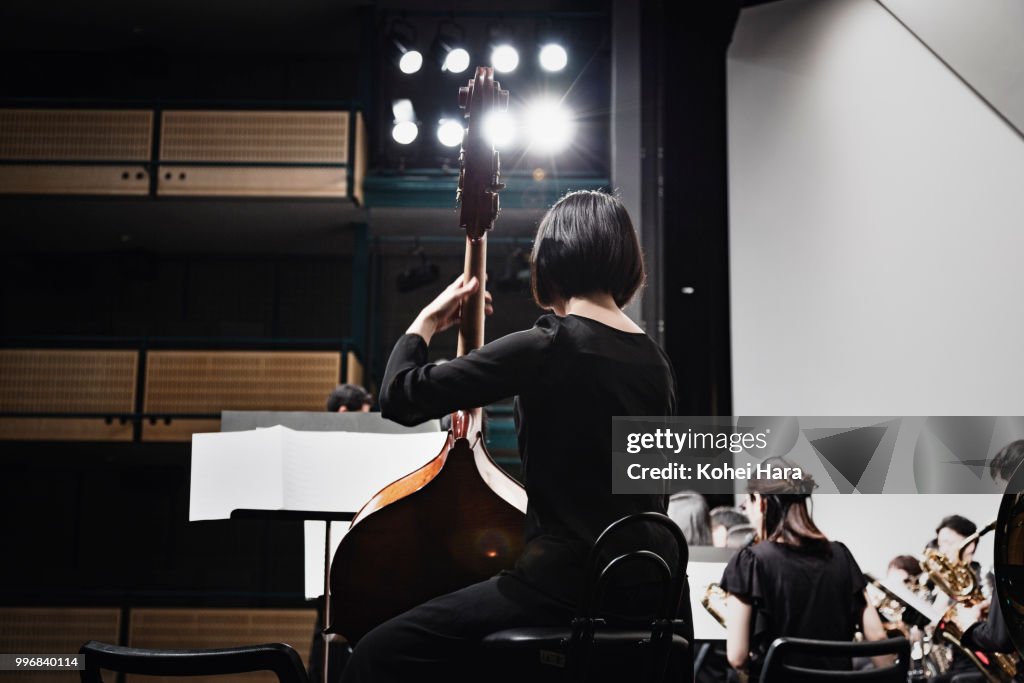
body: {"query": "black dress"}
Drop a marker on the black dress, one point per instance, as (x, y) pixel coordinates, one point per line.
(570, 376)
(799, 593)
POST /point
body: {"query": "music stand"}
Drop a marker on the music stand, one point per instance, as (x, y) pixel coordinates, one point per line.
(255, 438)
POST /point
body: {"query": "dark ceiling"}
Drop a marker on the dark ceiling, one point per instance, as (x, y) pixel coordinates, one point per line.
(323, 26)
(220, 25)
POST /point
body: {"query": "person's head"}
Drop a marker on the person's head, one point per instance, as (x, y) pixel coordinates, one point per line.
(585, 246)
(349, 398)
(778, 508)
(904, 568)
(724, 518)
(1006, 461)
(690, 511)
(951, 534)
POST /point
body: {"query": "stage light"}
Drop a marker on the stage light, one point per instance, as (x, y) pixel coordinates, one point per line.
(404, 132)
(410, 62)
(401, 47)
(402, 110)
(448, 50)
(504, 58)
(549, 126)
(553, 57)
(405, 129)
(456, 61)
(449, 132)
(499, 129)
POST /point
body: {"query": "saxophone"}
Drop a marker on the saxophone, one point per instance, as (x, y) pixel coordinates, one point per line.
(714, 602)
(957, 580)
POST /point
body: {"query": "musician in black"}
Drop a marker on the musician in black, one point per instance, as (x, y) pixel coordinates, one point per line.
(794, 582)
(580, 364)
(990, 634)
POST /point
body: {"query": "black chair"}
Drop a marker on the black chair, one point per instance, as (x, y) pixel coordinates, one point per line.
(777, 668)
(597, 646)
(276, 657)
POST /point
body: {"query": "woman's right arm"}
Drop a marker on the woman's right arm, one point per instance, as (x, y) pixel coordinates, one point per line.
(415, 390)
(737, 632)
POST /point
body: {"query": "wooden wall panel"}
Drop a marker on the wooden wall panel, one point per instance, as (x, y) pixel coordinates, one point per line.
(65, 380)
(212, 381)
(175, 628)
(54, 630)
(255, 137)
(76, 134)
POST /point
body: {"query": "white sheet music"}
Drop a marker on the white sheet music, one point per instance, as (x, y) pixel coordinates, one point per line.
(282, 469)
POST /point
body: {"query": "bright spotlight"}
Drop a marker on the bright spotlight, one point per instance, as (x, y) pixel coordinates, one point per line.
(403, 110)
(449, 133)
(504, 58)
(404, 132)
(553, 57)
(549, 126)
(456, 61)
(499, 129)
(410, 62)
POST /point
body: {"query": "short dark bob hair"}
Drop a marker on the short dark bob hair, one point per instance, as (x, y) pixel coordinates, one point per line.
(586, 245)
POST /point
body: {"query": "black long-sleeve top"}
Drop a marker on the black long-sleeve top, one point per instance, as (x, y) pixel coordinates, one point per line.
(570, 376)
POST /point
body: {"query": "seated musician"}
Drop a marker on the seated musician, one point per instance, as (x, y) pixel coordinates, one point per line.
(794, 582)
(580, 364)
(950, 535)
(349, 398)
(905, 569)
(988, 634)
(724, 519)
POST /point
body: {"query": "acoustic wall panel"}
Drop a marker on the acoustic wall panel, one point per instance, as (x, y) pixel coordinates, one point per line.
(254, 153)
(75, 135)
(54, 630)
(198, 382)
(109, 149)
(169, 628)
(66, 380)
(253, 181)
(254, 137)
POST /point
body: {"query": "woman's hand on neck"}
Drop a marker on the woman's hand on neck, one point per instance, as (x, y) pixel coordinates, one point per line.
(600, 307)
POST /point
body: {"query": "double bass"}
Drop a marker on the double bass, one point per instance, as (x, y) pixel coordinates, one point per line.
(458, 519)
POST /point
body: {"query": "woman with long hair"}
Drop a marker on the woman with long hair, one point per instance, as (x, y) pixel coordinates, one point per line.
(794, 582)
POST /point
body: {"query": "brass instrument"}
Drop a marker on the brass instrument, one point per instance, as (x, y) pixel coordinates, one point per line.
(890, 608)
(714, 602)
(957, 580)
